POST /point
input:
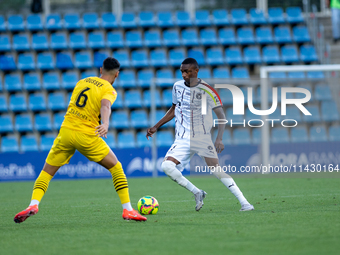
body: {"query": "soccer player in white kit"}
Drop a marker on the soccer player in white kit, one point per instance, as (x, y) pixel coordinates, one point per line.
(193, 132)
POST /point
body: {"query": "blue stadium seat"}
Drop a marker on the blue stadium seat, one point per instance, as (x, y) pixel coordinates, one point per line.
(334, 133)
(51, 81)
(221, 73)
(58, 41)
(296, 75)
(178, 74)
(20, 42)
(13, 82)
(249, 114)
(2, 24)
(6, 124)
(45, 61)
(32, 81)
(53, 22)
(139, 58)
(275, 15)
(90, 20)
(7, 63)
(176, 57)
(126, 140)
(241, 136)
(28, 143)
(96, 40)
(152, 38)
(39, 42)
(123, 58)
(139, 119)
(26, 62)
(147, 98)
(271, 55)
(264, 35)
(183, 19)
(110, 140)
(18, 103)
(158, 58)
(72, 21)
(197, 54)
(292, 112)
(78, 41)
(289, 54)
(3, 103)
(208, 37)
(323, 92)
(43, 122)
(282, 34)
(233, 56)
(46, 142)
(165, 138)
(37, 102)
(15, 23)
(245, 35)
(34, 22)
(118, 104)
(83, 60)
(220, 17)
(277, 76)
(99, 57)
(171, 38)
(215, 56)
(58, 119)
(56, 101)
(64, 60)
(230, 116)
(239, 17)
(142, 141)
(280, 135)
(315, 117)
(115, 40)
(120, 120)
(23, 123)
(146, 19)
(165, 19)
(294, 15)
(300, 34)
(9, 144)
(167, 98)
(133, 99)
(299, 135)
(128, 20)
(164, 77)
(257, 17)
(240, 73)
(127, 79)
(202, 18)
(109, 20)
(5, 44)
(318, 134)
(329, 111)
(190, 37)
(204, 73)
(256, 134)
(89, 73)
(145, 77)
(134, 39)
(69, 80)
(315, 75)
(308, 54)
(252, 55)
(227, 36)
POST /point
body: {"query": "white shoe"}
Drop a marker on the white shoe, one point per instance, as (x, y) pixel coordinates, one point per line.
(199, 199)
(247, 207)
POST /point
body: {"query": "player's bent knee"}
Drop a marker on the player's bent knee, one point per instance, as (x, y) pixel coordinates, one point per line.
(169, 168)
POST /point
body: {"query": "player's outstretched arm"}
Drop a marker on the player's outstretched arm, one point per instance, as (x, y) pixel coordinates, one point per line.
(105, 112)
(170, 114)
(218, 143)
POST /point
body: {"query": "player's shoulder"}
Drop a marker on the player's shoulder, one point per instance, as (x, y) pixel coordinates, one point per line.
(179, 83)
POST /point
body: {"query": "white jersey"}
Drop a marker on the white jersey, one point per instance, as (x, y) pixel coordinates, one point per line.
(190, 123)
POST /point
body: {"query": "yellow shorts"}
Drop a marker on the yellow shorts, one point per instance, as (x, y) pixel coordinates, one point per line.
(68, 141)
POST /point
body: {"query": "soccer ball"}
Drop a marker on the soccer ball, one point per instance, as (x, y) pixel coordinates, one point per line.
(147, 205)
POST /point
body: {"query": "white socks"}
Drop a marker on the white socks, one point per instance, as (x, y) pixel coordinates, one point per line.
(231, 185)
(34, 202)
(127, 206)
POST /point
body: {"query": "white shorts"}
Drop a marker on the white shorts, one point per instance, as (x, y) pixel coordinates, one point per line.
(184, 149)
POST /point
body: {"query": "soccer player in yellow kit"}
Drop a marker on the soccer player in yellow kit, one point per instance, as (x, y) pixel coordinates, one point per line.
(81, 130)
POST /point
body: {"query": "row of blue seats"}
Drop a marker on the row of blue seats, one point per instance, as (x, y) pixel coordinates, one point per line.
(149, 19)
(160, 58)
(153, 38)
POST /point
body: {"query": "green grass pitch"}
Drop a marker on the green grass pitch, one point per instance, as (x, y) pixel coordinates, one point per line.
(292, 216)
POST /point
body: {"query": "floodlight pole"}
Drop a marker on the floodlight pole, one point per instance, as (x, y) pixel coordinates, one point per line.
(46, 7)
(262, 5)
(117, 8)
(190, 6)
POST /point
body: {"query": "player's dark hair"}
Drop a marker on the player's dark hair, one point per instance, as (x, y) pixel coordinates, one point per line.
(190, 61)
(110, 64)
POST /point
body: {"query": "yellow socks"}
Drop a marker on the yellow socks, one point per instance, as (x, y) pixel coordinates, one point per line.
(120, 183)
(40, 187)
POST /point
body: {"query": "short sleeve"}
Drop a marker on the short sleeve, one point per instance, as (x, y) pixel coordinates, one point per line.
(174, 95)
(214, 100)
(110, 94)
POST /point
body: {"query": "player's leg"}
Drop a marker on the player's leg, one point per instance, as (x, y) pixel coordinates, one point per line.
(229, 182)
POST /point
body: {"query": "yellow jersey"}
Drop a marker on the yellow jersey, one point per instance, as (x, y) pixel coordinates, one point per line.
(83, 112)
